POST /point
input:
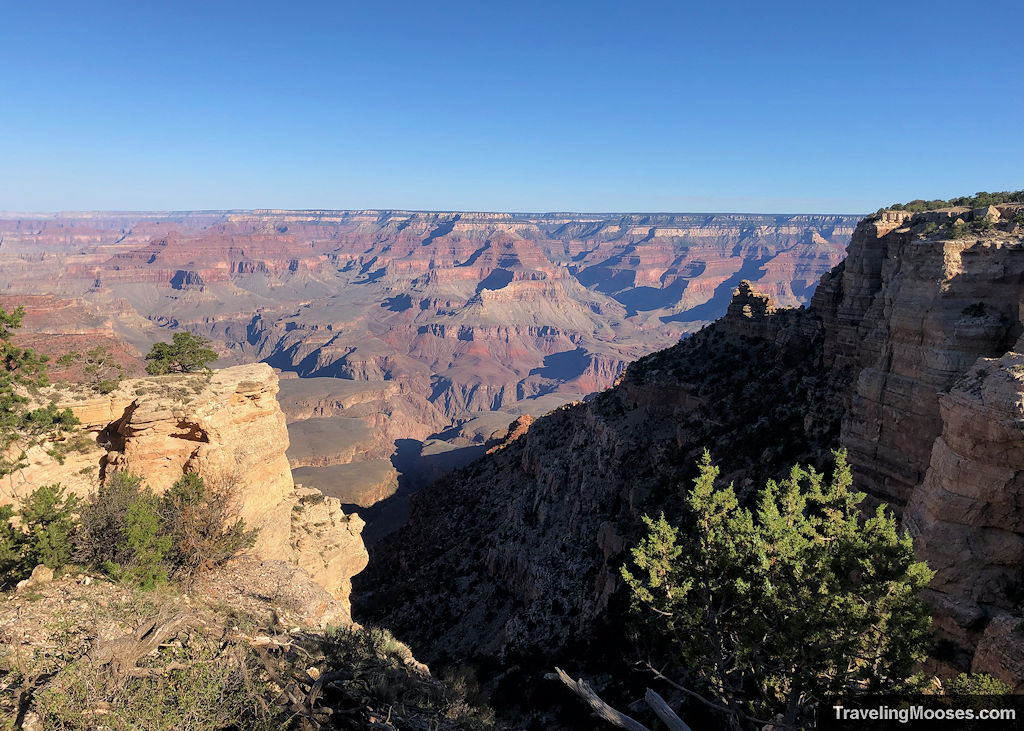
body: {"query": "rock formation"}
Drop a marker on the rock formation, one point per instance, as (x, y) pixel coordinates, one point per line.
(469, 311)
(402, 323)
(229, 429)
(924, 339)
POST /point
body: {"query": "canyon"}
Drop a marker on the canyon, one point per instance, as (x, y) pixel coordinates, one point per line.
(405, 340)
(539, 463)
(909, 357)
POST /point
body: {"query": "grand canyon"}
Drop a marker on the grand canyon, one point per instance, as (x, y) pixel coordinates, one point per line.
(405, 340)
(452, 425)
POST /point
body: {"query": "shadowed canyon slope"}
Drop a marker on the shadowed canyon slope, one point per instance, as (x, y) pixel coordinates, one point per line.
(468, 311)
(910, 357)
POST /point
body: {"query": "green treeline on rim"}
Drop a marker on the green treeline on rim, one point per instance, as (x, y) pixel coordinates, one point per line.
(977, 200)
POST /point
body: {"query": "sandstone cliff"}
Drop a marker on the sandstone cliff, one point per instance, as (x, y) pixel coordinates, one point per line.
(924, 341)
(229, 429)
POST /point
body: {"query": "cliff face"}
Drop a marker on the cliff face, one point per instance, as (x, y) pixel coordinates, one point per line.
(906, 318)
(230, 430)
(923, 336)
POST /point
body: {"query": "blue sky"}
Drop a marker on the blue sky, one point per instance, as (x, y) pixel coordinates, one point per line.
(525, 106)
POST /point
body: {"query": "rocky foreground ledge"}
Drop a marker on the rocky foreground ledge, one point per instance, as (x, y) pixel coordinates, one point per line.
(227, 427)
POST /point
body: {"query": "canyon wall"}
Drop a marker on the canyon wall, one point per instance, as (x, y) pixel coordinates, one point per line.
(229, 429)
(924, 341)
(514, 559)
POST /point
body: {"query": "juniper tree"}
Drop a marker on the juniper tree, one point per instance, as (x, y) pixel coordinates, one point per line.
(773, 607)
(186, 353)
(102, 371)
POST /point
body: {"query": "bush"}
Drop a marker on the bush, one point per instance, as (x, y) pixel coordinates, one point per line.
(43, 533)
(102, 372)
(207, 690)
(122, 532)
(186, 353)
(136, 536)
(968, 684)
(804, 595)
(202, 525)
(959, 230)
(23, 372)
(985, 224)
(47, 516)
(977, 200)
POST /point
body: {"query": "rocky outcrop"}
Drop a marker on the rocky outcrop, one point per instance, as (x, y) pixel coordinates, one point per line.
(923, 338)
(229, 429)
(907, 317)
(967, 515)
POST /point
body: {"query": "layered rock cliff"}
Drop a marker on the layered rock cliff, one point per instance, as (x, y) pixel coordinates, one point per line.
(924, 341)
(229, 429)
(471, 311)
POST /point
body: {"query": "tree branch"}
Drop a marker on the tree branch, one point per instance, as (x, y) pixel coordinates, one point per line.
(601, 709)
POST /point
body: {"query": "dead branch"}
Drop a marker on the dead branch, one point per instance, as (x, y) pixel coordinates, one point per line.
(601, 709)
(662, 711)
(162, 670)
(123, 653)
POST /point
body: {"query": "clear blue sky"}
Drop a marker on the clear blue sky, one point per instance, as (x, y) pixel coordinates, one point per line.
(528, 106)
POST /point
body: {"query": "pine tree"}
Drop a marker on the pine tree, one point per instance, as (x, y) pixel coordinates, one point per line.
(775, 607)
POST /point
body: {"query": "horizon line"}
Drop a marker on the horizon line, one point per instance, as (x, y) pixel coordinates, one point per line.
(178, 211)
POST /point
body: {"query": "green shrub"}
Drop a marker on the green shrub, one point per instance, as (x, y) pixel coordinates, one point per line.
(977, 200)
(201, 523)
(804, 594)
(985, 224)
(102, 372)
(959, 230)
(47, 517)
(10, 548)
(23, 373)
(136, 536)
(207, 691)
(123, 534)
(42, 532)
(966, 684)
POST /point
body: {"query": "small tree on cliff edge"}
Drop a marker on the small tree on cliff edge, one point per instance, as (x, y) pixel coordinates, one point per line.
(773, 608)
(186, 353)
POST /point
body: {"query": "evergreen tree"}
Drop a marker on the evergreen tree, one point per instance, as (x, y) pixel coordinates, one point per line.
(186, 353)
(102, 371)
(22, 374)
(775, 607)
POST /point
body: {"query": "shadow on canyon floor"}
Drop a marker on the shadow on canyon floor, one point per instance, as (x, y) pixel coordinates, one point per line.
(416, 470)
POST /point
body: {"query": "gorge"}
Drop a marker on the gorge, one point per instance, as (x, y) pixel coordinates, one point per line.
(415, 336)
(908, 356)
